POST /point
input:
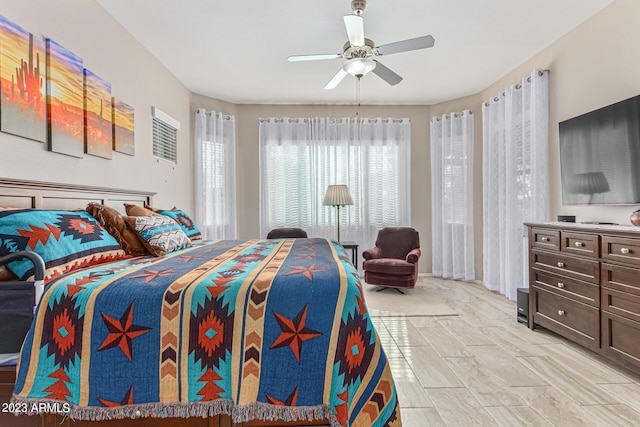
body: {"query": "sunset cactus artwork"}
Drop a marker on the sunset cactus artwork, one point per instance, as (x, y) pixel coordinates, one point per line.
(22, 82)
(123, 127)
(65, 103)
(97, 116)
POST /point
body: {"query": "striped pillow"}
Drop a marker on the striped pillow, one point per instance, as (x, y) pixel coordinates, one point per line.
(188, 226)
(160, 234)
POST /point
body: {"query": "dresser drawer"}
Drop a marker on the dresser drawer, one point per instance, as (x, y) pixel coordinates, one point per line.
(545, 239)
(622, 278)
(621, 303)
(580, 244)
(587, 270)
(621, 340)
(576, 321)
(621, 249)
(587, 293)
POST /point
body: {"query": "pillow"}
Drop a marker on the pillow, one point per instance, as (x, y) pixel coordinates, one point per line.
(66, 241)
(188, 226)
(6, 275)
(135, 210)
(114, 223)
(159, 233)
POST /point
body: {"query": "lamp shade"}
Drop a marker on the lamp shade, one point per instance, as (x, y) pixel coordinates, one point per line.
(359, 67)
(589, 183)
(337, 195)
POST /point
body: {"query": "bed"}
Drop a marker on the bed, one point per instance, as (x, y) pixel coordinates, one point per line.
(246, 332)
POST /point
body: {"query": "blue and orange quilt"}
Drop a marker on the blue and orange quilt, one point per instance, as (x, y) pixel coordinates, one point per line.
(257, 329)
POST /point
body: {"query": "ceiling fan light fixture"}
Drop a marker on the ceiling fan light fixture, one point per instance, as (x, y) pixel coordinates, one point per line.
(359, 67)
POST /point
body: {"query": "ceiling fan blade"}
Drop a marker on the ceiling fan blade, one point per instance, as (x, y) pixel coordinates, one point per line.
(386, 74)
(406, 45)
(355, 29)
(296, 58)
(336, 79)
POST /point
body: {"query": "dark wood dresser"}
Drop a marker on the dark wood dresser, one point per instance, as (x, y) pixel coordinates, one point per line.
(584, 284)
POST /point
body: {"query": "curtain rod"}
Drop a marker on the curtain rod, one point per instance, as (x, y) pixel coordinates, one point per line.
(518, 86)
(333, 120)
(224, 116)
(448, 116)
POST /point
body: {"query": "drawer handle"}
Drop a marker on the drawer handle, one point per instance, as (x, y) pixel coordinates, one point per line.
(560, 285)
(560, 312)
(579, 244)
(624, 250)
(560, 264)
(544, 238)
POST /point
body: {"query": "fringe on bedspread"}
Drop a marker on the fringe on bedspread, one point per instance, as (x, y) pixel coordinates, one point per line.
(239, 413)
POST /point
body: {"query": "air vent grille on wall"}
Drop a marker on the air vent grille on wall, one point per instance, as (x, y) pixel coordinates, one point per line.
(165, 135)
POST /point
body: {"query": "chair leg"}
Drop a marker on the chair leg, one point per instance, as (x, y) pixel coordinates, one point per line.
(382, 288)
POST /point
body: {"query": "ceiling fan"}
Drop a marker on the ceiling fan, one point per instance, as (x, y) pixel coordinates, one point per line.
(359, 50)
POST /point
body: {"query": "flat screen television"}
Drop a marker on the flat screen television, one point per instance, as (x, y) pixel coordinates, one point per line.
(600, 156)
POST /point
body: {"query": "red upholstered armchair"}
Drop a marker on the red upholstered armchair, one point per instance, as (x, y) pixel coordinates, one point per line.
(393, 262)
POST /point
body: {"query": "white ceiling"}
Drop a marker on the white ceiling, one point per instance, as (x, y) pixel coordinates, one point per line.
(237, 51)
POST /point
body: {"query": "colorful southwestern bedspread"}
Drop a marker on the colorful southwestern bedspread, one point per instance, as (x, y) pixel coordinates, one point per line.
(257, 329)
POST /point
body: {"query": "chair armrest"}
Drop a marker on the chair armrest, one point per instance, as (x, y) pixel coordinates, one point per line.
(372, 253)
(413, 256)
(38, 269)
(38, 263)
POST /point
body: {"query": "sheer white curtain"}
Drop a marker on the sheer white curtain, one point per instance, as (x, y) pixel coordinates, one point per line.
(300, 157)
(515, 170)
(215, 182)
(452, 196)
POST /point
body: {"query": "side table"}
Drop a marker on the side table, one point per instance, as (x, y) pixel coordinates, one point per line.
(354, 251)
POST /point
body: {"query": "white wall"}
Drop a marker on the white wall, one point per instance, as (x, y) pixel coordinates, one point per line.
(596, 64)
(136, 78)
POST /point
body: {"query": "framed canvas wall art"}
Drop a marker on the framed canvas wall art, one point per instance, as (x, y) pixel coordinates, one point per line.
(65, 104)
(23, 107)
(123, 128)
(97, 116)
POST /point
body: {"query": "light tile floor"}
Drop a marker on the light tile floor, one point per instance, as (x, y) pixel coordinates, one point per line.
(482, 368)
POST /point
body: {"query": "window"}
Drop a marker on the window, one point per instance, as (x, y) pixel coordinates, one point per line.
(215, 174)
(299, 158)
(165, 135)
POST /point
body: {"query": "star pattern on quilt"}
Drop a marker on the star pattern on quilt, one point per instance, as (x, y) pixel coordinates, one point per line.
(308, 247)
(289, 401)
(126, 400)
(189, 258)
(121, 331)
(150, 275)
(307, 271)
(306, 256)
(294, 332)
